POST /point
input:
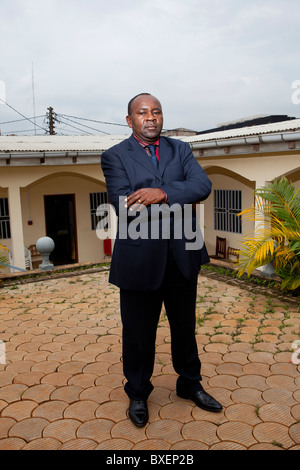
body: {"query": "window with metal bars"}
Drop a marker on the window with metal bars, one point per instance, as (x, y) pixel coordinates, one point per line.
(227, 204)
(97, 199)
(4, 219)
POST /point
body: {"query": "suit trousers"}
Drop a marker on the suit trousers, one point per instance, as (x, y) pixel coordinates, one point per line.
(140, 312)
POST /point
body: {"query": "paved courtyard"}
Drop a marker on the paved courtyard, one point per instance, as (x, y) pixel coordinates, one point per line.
(61, 376)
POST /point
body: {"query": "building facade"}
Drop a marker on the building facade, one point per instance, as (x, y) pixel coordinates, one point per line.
(52, 186)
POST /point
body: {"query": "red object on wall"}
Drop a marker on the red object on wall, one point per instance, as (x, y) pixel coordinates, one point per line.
(107, 247)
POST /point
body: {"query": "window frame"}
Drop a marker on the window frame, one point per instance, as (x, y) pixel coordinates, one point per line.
(97, 199)
(227, 204)
(5, 229)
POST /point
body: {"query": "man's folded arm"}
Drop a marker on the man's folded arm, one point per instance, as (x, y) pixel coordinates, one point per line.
(194, 188)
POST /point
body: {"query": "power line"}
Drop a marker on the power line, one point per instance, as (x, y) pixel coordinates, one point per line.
(32, 122)
(54, 117)
(19, 120)
(81, 130)
(83, 125)
(94, 120)
(14, 132)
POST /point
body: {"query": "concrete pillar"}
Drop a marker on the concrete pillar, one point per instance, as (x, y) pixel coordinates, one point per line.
(16, 226)
(201, 218)
(267, 269)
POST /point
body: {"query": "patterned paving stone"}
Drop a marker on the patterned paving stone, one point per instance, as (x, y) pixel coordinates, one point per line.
(19, 410)
(252, 381)
(50, 410)
(7, 377)
(28, 428)
(205, 431)
(189, 444)
(183, 412)
(170, 429)
(203, 415)
(79, 444)
(238, 432)
(230, 368)
(276, 413)
(12, 443)
(5, 425)
(295, 432)
(248, 396)
(226, 381)
(243, 412)
(62, 429)
(281, 381)
(285, 369)
(295, 411)
(264, 357)
(152, 444)
(43, 443)
(296, 395)
(238, 357)
(96, 429)
(11, 393)
(68, 393)
(62, 384)
(266, 446)
(227, 446)
(124, 430)
(273, 432)
(277, 395)
(82, 411)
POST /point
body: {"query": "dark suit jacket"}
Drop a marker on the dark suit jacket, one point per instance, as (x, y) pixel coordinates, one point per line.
(139, 264)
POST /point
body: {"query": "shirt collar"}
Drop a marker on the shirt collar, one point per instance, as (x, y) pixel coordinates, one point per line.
(144, 144)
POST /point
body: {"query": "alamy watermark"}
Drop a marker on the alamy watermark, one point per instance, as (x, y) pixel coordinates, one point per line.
(296, 94)
(157, 221)
(2, 92)
(296, 353)
(2, 352)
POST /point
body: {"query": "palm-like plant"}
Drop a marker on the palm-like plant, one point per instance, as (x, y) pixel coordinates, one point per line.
(277, 214)
(3, 259)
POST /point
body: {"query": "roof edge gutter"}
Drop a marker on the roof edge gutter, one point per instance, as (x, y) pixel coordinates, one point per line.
(249, 140)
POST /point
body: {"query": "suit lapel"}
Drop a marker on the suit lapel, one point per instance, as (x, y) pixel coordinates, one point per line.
(165, 154)
(140, 156)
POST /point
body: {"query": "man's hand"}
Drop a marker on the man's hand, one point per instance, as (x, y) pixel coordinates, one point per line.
(144, 197)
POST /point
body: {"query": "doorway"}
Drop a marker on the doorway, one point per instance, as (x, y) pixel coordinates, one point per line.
(61, 227)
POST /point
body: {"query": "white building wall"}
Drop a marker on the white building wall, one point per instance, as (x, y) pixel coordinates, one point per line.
(232, 239)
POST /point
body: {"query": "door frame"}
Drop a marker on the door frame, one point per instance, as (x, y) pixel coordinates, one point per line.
(74, 218)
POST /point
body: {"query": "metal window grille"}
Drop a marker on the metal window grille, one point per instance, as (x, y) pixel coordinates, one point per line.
(227, 204)
(4, 219)
(97, 199)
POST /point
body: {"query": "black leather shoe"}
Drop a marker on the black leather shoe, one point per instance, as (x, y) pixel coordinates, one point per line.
(203, 400)
(138, 412)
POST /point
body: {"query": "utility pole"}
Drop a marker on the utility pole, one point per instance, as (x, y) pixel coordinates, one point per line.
(51, 120)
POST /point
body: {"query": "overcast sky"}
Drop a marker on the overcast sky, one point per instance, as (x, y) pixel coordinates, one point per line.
(207, 61)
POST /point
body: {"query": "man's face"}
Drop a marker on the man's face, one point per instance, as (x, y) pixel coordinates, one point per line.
(146, 118)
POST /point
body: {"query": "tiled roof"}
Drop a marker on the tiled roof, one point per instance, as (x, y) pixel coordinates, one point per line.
(275, 128)
(54, 143)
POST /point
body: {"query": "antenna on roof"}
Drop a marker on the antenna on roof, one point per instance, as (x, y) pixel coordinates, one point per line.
(33, 98)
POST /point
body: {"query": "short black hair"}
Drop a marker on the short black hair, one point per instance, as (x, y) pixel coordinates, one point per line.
(132, 100)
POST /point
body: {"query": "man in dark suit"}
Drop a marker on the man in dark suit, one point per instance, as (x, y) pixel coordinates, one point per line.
(153, 264)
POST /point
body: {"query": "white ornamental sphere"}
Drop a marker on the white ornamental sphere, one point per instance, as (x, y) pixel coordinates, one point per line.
(45, 245)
